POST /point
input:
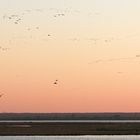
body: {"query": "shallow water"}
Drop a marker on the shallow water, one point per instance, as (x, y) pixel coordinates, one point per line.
(75, 121)
(69, 137)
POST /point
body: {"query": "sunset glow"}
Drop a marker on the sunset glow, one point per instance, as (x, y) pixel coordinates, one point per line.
(90, 48)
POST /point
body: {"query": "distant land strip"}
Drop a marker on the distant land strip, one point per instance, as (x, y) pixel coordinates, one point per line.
(69, 116)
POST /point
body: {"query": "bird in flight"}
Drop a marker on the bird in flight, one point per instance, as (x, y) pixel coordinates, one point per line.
(55, 83)
(1, 95)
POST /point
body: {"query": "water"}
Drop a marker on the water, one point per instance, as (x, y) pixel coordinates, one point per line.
(69, 137)
(75, 121)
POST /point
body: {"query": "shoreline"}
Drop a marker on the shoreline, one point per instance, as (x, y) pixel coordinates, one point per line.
(67, 129)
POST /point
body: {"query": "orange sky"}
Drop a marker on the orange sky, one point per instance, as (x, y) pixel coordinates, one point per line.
(91, 47)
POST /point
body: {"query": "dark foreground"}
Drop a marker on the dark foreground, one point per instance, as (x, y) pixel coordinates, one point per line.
(59, 128)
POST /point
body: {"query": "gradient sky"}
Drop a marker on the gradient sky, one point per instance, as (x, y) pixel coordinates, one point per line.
(92, 47)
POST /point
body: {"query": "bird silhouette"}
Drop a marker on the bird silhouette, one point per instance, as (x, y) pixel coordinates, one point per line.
(55, 83)
(3, 49)
(1, 95)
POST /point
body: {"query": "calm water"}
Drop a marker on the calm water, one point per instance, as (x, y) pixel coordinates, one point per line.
(75, 121)
(70, 138)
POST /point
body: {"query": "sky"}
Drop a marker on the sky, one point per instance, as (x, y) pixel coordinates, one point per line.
(69, 55)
